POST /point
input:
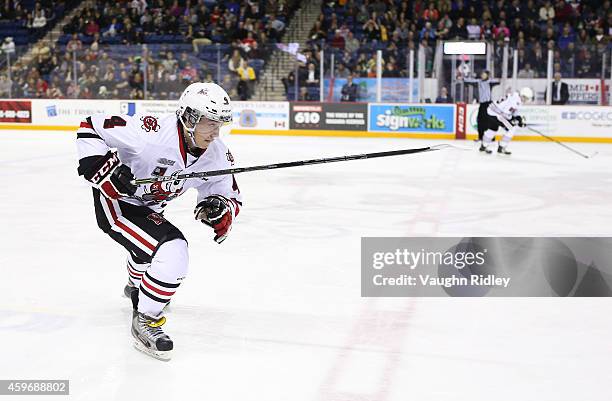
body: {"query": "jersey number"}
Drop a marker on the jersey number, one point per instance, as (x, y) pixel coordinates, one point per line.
(114, 121)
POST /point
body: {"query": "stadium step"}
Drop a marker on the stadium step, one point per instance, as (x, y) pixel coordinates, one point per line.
(270, 86)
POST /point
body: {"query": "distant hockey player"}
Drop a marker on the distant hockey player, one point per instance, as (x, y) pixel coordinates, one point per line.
(485, 86)
(503, 113)
(114, 149)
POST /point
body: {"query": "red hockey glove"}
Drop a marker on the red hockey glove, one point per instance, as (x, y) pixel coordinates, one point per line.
(111, 177)
(217, 212)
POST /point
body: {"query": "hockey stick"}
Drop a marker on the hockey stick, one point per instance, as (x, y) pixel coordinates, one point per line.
(561, 143)
(238, 170)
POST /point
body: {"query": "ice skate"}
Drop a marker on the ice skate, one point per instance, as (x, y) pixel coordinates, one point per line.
(503, 151)
(149, 338)
(485, 149)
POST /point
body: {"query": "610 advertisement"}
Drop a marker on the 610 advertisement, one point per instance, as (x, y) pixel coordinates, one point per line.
(421, 118)
(331, 116)
(15, 111)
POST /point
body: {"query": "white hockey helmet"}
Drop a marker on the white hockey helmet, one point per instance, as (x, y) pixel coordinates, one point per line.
(203, 100)
(526, 94)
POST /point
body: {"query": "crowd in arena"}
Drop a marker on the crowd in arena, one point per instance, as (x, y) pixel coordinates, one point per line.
(108, 45)
(578, 32)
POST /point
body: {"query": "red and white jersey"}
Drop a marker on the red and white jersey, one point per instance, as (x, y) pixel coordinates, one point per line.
(155, 146)
(505, 108)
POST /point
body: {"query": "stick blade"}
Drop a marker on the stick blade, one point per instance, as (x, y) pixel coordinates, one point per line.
(592, 155)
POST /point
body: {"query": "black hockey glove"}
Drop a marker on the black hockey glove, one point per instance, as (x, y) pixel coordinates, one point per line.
(111, 177)
(519, 120)
(217, 212)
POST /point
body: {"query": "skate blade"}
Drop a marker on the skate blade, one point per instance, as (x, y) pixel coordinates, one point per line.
(161, 355)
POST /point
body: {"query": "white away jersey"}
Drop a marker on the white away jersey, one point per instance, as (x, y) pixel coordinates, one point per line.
(154, 146)
(506, 107)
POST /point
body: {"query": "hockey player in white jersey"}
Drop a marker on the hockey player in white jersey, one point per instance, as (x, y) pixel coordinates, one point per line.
(503, 113)
(113, 150)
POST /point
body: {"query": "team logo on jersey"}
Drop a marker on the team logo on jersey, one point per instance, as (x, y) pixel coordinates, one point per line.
(159, 170)
(230, 157)
(149, 123)
(164, 191)
(156, 218)
(165, 161)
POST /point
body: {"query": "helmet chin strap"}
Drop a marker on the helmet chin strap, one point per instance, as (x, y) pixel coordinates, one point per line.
(190, 137)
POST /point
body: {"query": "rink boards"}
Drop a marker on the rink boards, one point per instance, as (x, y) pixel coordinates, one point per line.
(388, 120)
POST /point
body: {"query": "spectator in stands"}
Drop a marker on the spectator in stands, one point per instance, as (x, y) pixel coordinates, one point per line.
(41, 87)
(431, 13)
(560, 91)
(501, 31)
(8, 45)
(351, 43)
(255, 52)
(444, 96)
(130, 34)
(275, 28)
(372, 30)
(516, 30)
(235, 61)
(183, 60)
(567, 37)
(338, 40)
(113, 29)
(547, 12)
(317, 33)
(458, 31)
(587, 67)
(350, 91)
(92, 27)
(305, 95)
(527, 72)
(248, 41)
(5, 86)
(136, 85)
(486, 32)
(164, 86)
(170, 64)
(74, 44)
(188, 74)
(341, 71)
(109, 76)
(247, 77)
(44, 65)
(39, 19)
(532, 31)
(564, 11)
(312, 76)
(473, 29)
(104, 93)
(55, 89)
(443, 31)
(104, 61)
(41, 48)
(390, 71)
(123, 86)
(427, 32)
(289, 81)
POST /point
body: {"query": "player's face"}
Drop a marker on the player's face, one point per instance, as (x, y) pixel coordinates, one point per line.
(206, 131)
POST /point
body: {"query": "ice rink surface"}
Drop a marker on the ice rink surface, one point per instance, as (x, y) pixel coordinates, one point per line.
(275, 313)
